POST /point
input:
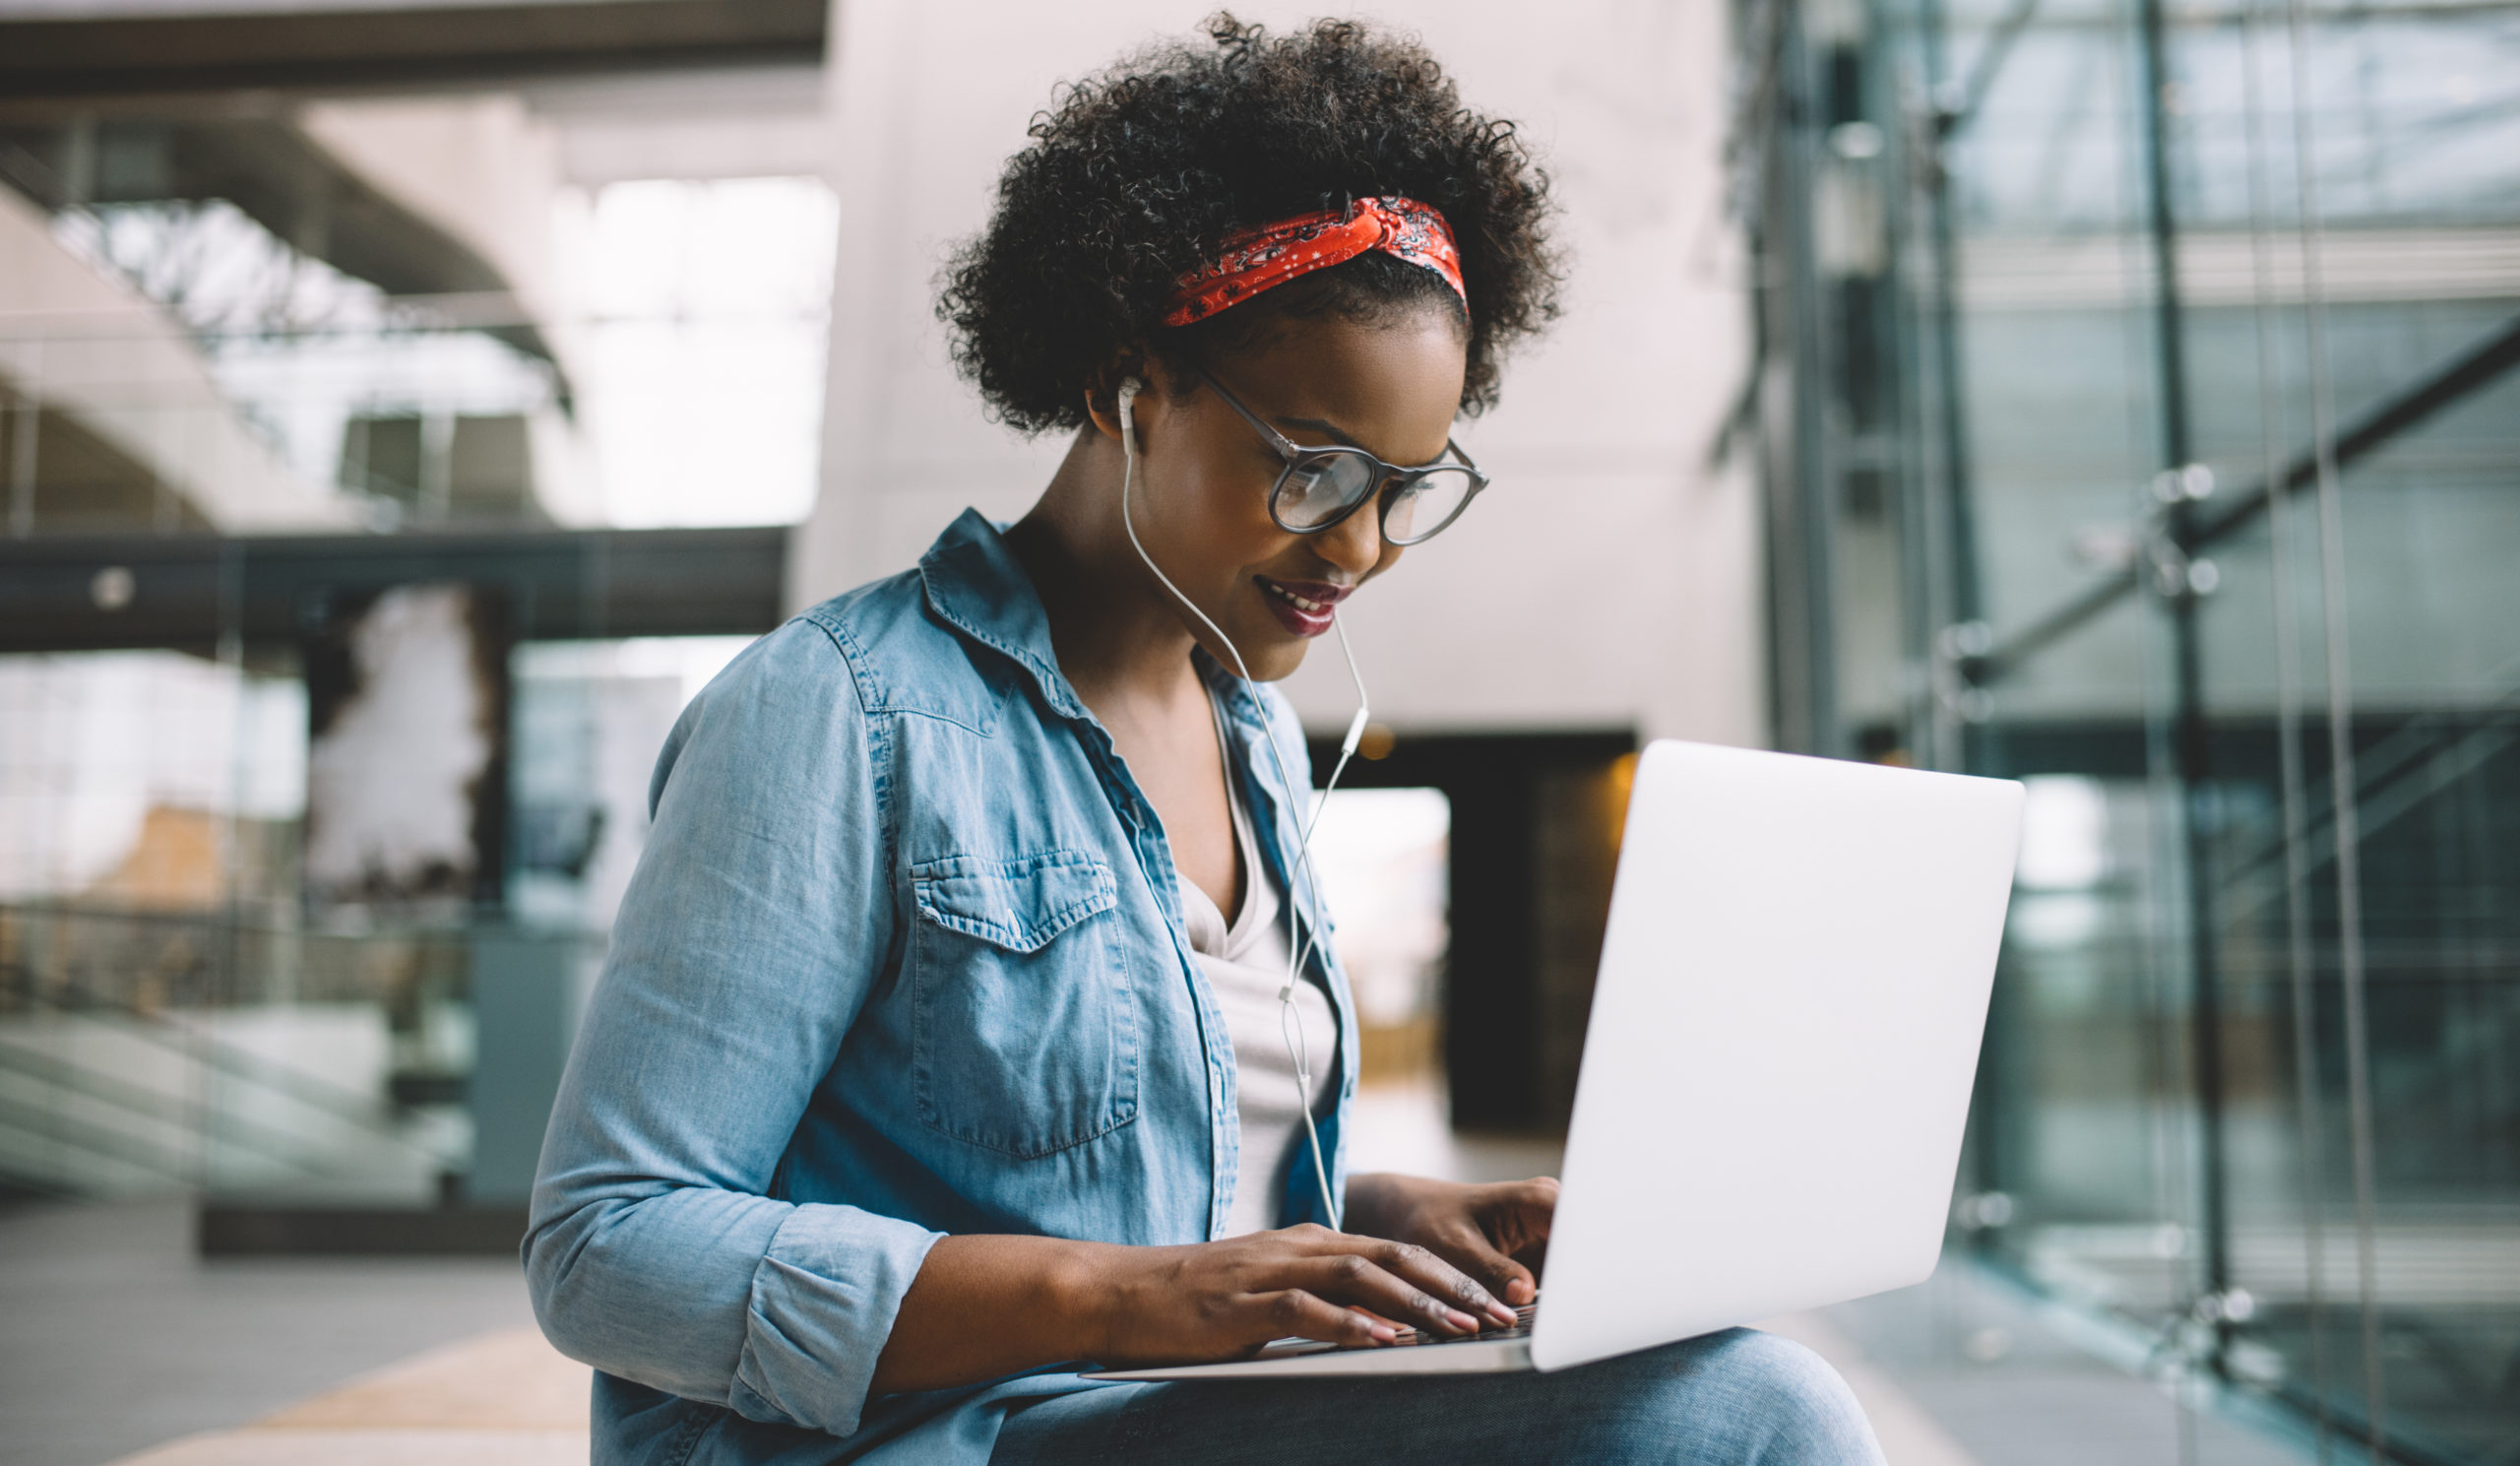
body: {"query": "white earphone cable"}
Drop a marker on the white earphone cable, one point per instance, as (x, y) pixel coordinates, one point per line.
(1346, 751)
(1290, 1024)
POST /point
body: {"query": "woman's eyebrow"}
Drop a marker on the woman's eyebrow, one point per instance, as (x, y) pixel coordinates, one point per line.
(1317, 424)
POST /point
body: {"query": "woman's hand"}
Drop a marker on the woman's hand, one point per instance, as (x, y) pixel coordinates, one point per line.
(986, 1306)
(1496, 1233)
(1223, 1300)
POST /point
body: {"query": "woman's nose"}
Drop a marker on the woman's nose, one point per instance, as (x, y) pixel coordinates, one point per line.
(1354, 544)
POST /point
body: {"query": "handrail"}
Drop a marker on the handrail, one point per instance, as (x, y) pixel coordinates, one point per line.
(2478, 367)
(2418, 747)
(2380, 803)
(338, 1101)
(224, 920)
(122, 1094)
(65, 1129)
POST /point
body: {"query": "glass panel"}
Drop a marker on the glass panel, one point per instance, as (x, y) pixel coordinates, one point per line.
(2069, 287)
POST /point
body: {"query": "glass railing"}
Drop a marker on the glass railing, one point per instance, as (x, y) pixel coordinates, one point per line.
(258, 1060)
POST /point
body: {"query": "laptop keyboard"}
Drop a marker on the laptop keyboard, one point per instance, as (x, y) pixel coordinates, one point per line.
(1520, 1328)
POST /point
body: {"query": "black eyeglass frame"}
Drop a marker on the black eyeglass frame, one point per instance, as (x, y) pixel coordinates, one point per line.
(1386, 475)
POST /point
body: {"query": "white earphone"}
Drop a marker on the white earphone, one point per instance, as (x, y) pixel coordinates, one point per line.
(1287, 1022)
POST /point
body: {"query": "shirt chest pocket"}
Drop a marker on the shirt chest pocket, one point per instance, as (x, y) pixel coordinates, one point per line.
(1024, 1028)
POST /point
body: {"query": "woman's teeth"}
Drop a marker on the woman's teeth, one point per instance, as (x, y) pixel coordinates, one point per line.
(1309, 608)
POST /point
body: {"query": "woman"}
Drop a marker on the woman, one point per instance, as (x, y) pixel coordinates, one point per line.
(940, 1047)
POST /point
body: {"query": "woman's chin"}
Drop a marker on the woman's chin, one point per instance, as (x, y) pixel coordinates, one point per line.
(1270, 653)
(1279, 661)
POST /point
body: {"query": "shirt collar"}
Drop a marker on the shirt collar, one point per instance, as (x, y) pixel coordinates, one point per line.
(976, 582)
(978, 586)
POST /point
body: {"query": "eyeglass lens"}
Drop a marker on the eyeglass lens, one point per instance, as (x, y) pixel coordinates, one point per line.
(1317, 490)
(1426, 504)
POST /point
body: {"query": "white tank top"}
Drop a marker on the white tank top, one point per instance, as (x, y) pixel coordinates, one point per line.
(1245, 964)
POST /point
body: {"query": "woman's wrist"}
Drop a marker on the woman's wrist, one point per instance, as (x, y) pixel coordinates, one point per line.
(984, 1306)
(1082, 1292)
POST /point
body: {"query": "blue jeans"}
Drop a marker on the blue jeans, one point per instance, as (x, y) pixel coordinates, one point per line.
(1729, 1399)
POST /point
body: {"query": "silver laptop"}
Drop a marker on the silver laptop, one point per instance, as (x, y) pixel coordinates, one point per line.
(1777, 1070)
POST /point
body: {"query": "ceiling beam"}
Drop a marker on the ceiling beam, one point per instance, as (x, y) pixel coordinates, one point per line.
(422, 44)
(103, 592)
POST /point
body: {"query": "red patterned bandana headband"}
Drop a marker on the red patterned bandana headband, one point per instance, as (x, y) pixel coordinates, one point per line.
(1254, 260)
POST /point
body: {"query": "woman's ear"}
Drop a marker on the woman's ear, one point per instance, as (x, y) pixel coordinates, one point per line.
(1102, 411)
(1102, 394)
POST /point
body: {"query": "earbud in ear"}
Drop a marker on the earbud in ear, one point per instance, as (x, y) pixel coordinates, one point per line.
(1130, 387)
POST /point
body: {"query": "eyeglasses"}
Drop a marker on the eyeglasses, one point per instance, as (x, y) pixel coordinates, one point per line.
(1319, 488)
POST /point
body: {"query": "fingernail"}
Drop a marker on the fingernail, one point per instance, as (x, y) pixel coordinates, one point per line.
(1384, 1333)
(1518, 1291)
(1501, 1314)
(1462, 1320)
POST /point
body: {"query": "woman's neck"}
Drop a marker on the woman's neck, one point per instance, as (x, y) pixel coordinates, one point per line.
(1116, 631)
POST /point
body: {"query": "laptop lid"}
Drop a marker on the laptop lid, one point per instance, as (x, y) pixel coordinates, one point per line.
(1783, 1038)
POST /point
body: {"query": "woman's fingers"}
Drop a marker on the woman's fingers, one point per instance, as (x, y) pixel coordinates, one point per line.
(1439, 1276)
(1217, 1299)
(1294, 1313)
(1522, 1212)
(1491, 1230)
(1352, 1278)
(1470, 1249)
(1454, 1298)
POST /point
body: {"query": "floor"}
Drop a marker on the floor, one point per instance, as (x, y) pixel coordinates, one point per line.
(114, 1337)
(118, 1345)
(498, 1399)
(2012, 1382)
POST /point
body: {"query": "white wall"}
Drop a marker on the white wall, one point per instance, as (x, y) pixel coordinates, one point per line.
(1607, 579)
(480, 168)
(740, 122)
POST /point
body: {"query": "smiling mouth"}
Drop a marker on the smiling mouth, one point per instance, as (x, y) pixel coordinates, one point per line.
(1308, 607)
(1304, 607)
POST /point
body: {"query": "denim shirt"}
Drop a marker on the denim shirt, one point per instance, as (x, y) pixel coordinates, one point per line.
(903, 957)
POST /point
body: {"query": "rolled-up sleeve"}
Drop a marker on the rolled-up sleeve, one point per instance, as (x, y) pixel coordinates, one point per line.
(747, 941)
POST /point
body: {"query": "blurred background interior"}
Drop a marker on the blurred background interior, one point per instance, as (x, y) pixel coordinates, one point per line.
(404, 408)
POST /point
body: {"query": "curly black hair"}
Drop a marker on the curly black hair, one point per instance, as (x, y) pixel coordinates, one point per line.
(1139, 174)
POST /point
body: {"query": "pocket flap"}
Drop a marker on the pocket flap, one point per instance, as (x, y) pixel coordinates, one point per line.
(1019, 905)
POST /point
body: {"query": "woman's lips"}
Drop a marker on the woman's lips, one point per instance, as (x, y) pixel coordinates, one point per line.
(1304, 606)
